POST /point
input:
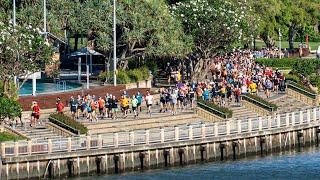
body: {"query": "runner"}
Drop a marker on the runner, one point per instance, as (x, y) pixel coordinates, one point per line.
(139, 97)
(59, 106)
(114, 107)
(149, 101)
(101, 105)
(124, 105)
(134, 104)
(73, 107)
(35, 115)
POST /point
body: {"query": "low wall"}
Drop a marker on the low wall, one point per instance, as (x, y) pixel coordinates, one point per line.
(139, 84)
(59, 130)
(257, 109)
(301, 97)
(207, 115)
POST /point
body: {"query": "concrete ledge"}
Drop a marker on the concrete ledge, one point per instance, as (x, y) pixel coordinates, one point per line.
(259, 110)
(208, 116)
(59, 130)
(301, 97)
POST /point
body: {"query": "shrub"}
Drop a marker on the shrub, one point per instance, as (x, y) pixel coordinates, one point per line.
(9, 108)
(69, 122)
(285, 63)
(292, 77)
(124, 77)
(135, 75)
(215, 109)
(306, 66)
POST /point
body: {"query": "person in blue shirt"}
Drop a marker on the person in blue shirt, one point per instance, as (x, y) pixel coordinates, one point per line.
(139, 97)
(205, 94)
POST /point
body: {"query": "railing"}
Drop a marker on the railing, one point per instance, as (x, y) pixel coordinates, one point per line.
(163, 135)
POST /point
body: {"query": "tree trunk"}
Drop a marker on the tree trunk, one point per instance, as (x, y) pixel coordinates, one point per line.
(291, 37)
(268, 40)
(200, 70)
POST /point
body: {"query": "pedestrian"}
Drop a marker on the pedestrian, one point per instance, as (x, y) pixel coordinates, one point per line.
(134, 104)
(149, 101)
(59, 106)
(35, 115)
(73, 106)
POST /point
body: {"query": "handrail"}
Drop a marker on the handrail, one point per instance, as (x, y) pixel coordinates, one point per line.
(261, 104)
(295, 86)
(310, 116)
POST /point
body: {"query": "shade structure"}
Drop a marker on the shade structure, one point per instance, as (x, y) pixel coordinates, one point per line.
(85, 52)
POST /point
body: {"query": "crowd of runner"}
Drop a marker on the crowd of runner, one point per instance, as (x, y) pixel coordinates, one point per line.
(232, 74)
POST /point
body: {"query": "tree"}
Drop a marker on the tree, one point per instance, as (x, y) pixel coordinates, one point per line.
(23, 51)
(9, 109)
(213, 25)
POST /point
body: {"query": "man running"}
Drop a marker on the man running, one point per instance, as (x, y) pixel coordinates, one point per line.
(73, 107)
(149, 101)
(59, 106)
(35, 115)
(134, 104)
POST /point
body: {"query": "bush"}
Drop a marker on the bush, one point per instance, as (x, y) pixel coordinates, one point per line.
(124, 77)
(69, 122)
(215, 109)
(5, 136)
(9, 108)
(307, 66)
(292, 77)
(260, 102)
(285, 63)
(135, 75)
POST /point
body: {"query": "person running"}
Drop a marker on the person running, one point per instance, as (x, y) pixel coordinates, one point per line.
(125, 105)
(89, 109)
(114, 107)
(162, 100)
(35, 115)
(101, 105)
(94, 105)
(139, 97)
(73, 107)
(110, 103)
(149, 101)
(134, 104)
(174, 100)
(59, 106)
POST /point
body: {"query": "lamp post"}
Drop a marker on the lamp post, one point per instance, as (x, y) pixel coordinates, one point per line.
(15, 79)
(114, 45)
(280, 35)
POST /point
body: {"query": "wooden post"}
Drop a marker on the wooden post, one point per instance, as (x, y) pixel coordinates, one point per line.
(239, 126)
(147, 137)
(301, 117)
(176, 133)
(16, 149)
(69, 144)
(308, 115)
(216, 129)
(99, 141)
(162, 135)
(293, 118)
(228, 127)
(88, 142)
(49, 146)
(132, 138)
(29, 147)
(116, 140)
(190, 132)
(249, 125)
(278, 121)
(203, 130)
(260, 123)
(3, 150)
(287, 120)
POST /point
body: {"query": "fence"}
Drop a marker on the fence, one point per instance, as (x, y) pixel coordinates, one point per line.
(161, 135)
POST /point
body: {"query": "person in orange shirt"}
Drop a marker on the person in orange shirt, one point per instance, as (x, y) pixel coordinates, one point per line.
(94, 106)
(101, 104)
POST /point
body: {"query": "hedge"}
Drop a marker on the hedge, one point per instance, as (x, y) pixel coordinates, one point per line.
(215, 109)
(283, 63)
(5, 136)
(260, 102)
(125, 77)
(68, 123)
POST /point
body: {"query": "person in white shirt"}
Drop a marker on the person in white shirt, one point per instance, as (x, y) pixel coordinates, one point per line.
(149, 101)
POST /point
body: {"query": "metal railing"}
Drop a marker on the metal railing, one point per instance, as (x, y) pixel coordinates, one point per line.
(163, 135)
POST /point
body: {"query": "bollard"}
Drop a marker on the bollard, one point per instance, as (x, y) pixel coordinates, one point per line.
(98, 163)
(116, 163)
(181, 152)
(141, 156)
(165, 154)
(222, 146)
(234, 145)
(70, 167)
(262, 141)
(202, 149)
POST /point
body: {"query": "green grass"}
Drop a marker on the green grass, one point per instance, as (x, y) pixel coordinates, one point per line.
(285, 44)
(5, 136)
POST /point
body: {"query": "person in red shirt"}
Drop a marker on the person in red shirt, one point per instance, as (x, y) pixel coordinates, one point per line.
(35, 115)
(59, 106)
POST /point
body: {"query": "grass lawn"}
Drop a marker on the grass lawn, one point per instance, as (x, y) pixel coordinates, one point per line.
(4, 136)
(285, 44)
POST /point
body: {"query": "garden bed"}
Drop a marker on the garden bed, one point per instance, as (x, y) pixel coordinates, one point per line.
(68, 123)
(256, 100)
(215, 109)
(5, 136)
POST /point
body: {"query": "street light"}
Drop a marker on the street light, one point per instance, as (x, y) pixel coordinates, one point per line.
(114, 45)
(15, 79)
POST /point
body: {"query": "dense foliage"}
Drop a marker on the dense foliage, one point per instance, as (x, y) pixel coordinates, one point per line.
(124, 77)
(70, 122)
(9, 108)
(278, 63)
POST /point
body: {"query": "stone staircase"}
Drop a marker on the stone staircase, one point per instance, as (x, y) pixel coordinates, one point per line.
(241, 112)
(40, 132)
(287, 103)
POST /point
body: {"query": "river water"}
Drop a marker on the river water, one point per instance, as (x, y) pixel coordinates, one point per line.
(285, 165)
